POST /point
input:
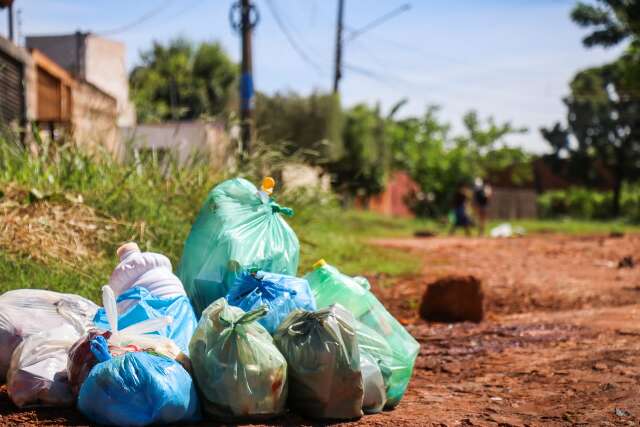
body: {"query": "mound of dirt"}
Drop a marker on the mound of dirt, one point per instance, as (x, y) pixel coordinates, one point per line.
(453, 299)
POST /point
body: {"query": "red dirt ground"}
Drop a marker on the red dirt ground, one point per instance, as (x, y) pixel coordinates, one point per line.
(560, 345)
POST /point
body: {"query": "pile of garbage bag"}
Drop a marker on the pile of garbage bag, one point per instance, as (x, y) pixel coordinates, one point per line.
(266, 340)
(238, 228)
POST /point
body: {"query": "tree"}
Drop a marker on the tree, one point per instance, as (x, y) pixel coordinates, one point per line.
(362, 168)
(604, 117)
(439, 163)
(306, 125)
(180, 81)
(612, 21)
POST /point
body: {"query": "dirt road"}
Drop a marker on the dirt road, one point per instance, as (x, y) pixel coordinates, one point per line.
(560, 346)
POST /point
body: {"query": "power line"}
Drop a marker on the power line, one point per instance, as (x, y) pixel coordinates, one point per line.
(145, 17)
(397, 11)
(292, 41)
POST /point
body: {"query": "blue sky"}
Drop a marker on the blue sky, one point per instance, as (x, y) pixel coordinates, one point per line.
(510, 59)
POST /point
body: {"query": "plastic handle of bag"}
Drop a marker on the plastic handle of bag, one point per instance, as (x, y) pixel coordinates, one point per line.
(110, 307)
(276, 208)
(252, 315)
(147, 326)
(100, 348)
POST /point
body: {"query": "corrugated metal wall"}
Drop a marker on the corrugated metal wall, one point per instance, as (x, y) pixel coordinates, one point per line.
(11, 90)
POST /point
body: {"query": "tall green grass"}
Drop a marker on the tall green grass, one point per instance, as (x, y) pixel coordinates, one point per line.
(157, 203)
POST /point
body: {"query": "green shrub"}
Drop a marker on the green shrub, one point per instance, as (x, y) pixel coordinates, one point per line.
(583, 203)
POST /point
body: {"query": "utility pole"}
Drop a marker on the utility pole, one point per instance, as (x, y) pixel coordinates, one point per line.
(338, 64)
(10, 24)
(246, 79)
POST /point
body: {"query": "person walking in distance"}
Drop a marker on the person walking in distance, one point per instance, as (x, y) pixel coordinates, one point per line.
(460, 215)
(481, 198)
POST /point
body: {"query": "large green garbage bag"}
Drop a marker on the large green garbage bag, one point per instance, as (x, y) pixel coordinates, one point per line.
(329, 286)
(325, 380)
(238, 370)
(238, 228)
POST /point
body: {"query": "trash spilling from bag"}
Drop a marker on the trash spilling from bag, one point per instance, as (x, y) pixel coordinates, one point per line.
(280, 293)
(238, 228)
(26, 312)
(329, 287)
(137, 389)
(321, 349)
(266, 341)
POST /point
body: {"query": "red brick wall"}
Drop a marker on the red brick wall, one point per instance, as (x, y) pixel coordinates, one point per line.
(392, 201)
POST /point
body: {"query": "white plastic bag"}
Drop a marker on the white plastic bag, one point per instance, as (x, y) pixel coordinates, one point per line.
(38, 370)
(26, 312)
(144, 269)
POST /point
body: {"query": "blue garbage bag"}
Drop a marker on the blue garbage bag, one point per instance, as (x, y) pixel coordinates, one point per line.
(143, 306)
(137, 389)
(280, 293)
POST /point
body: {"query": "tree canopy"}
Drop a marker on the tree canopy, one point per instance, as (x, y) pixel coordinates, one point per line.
(611, 21)
(182, 81)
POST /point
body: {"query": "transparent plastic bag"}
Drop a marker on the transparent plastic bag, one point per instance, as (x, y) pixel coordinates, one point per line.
(238, 228)
(325, 378)
(25, 312)
(137, 389)
(329, 286)
(280, 293)
(239, 371)
(141, 305)
(38, 371)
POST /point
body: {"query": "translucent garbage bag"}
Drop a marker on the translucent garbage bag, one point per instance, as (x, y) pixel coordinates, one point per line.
(329, 286)
(134, 338)
(325, 378)
(375, 392)
(280, 293)
(137, 389)
(38, 371)
(238, 369)
(26, 312)
(146, 306)
(238, 228)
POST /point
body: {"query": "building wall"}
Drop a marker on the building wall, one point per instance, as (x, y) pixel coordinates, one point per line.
(392, 201)
(64, 50)
(95, 59)
(16, 80)
(94, 118)
(185, 140)
(105, 67)
(298, 175)
(513, 203)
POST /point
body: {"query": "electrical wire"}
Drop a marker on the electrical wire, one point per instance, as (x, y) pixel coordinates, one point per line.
(292, 41)
(145, 17)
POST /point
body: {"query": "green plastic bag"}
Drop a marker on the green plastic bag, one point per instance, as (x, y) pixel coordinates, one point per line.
(325, 380)
(238, 228)
(239, 371)
(329, 286)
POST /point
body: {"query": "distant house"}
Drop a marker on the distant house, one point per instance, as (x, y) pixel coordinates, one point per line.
(40, 93)
(94, 60)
